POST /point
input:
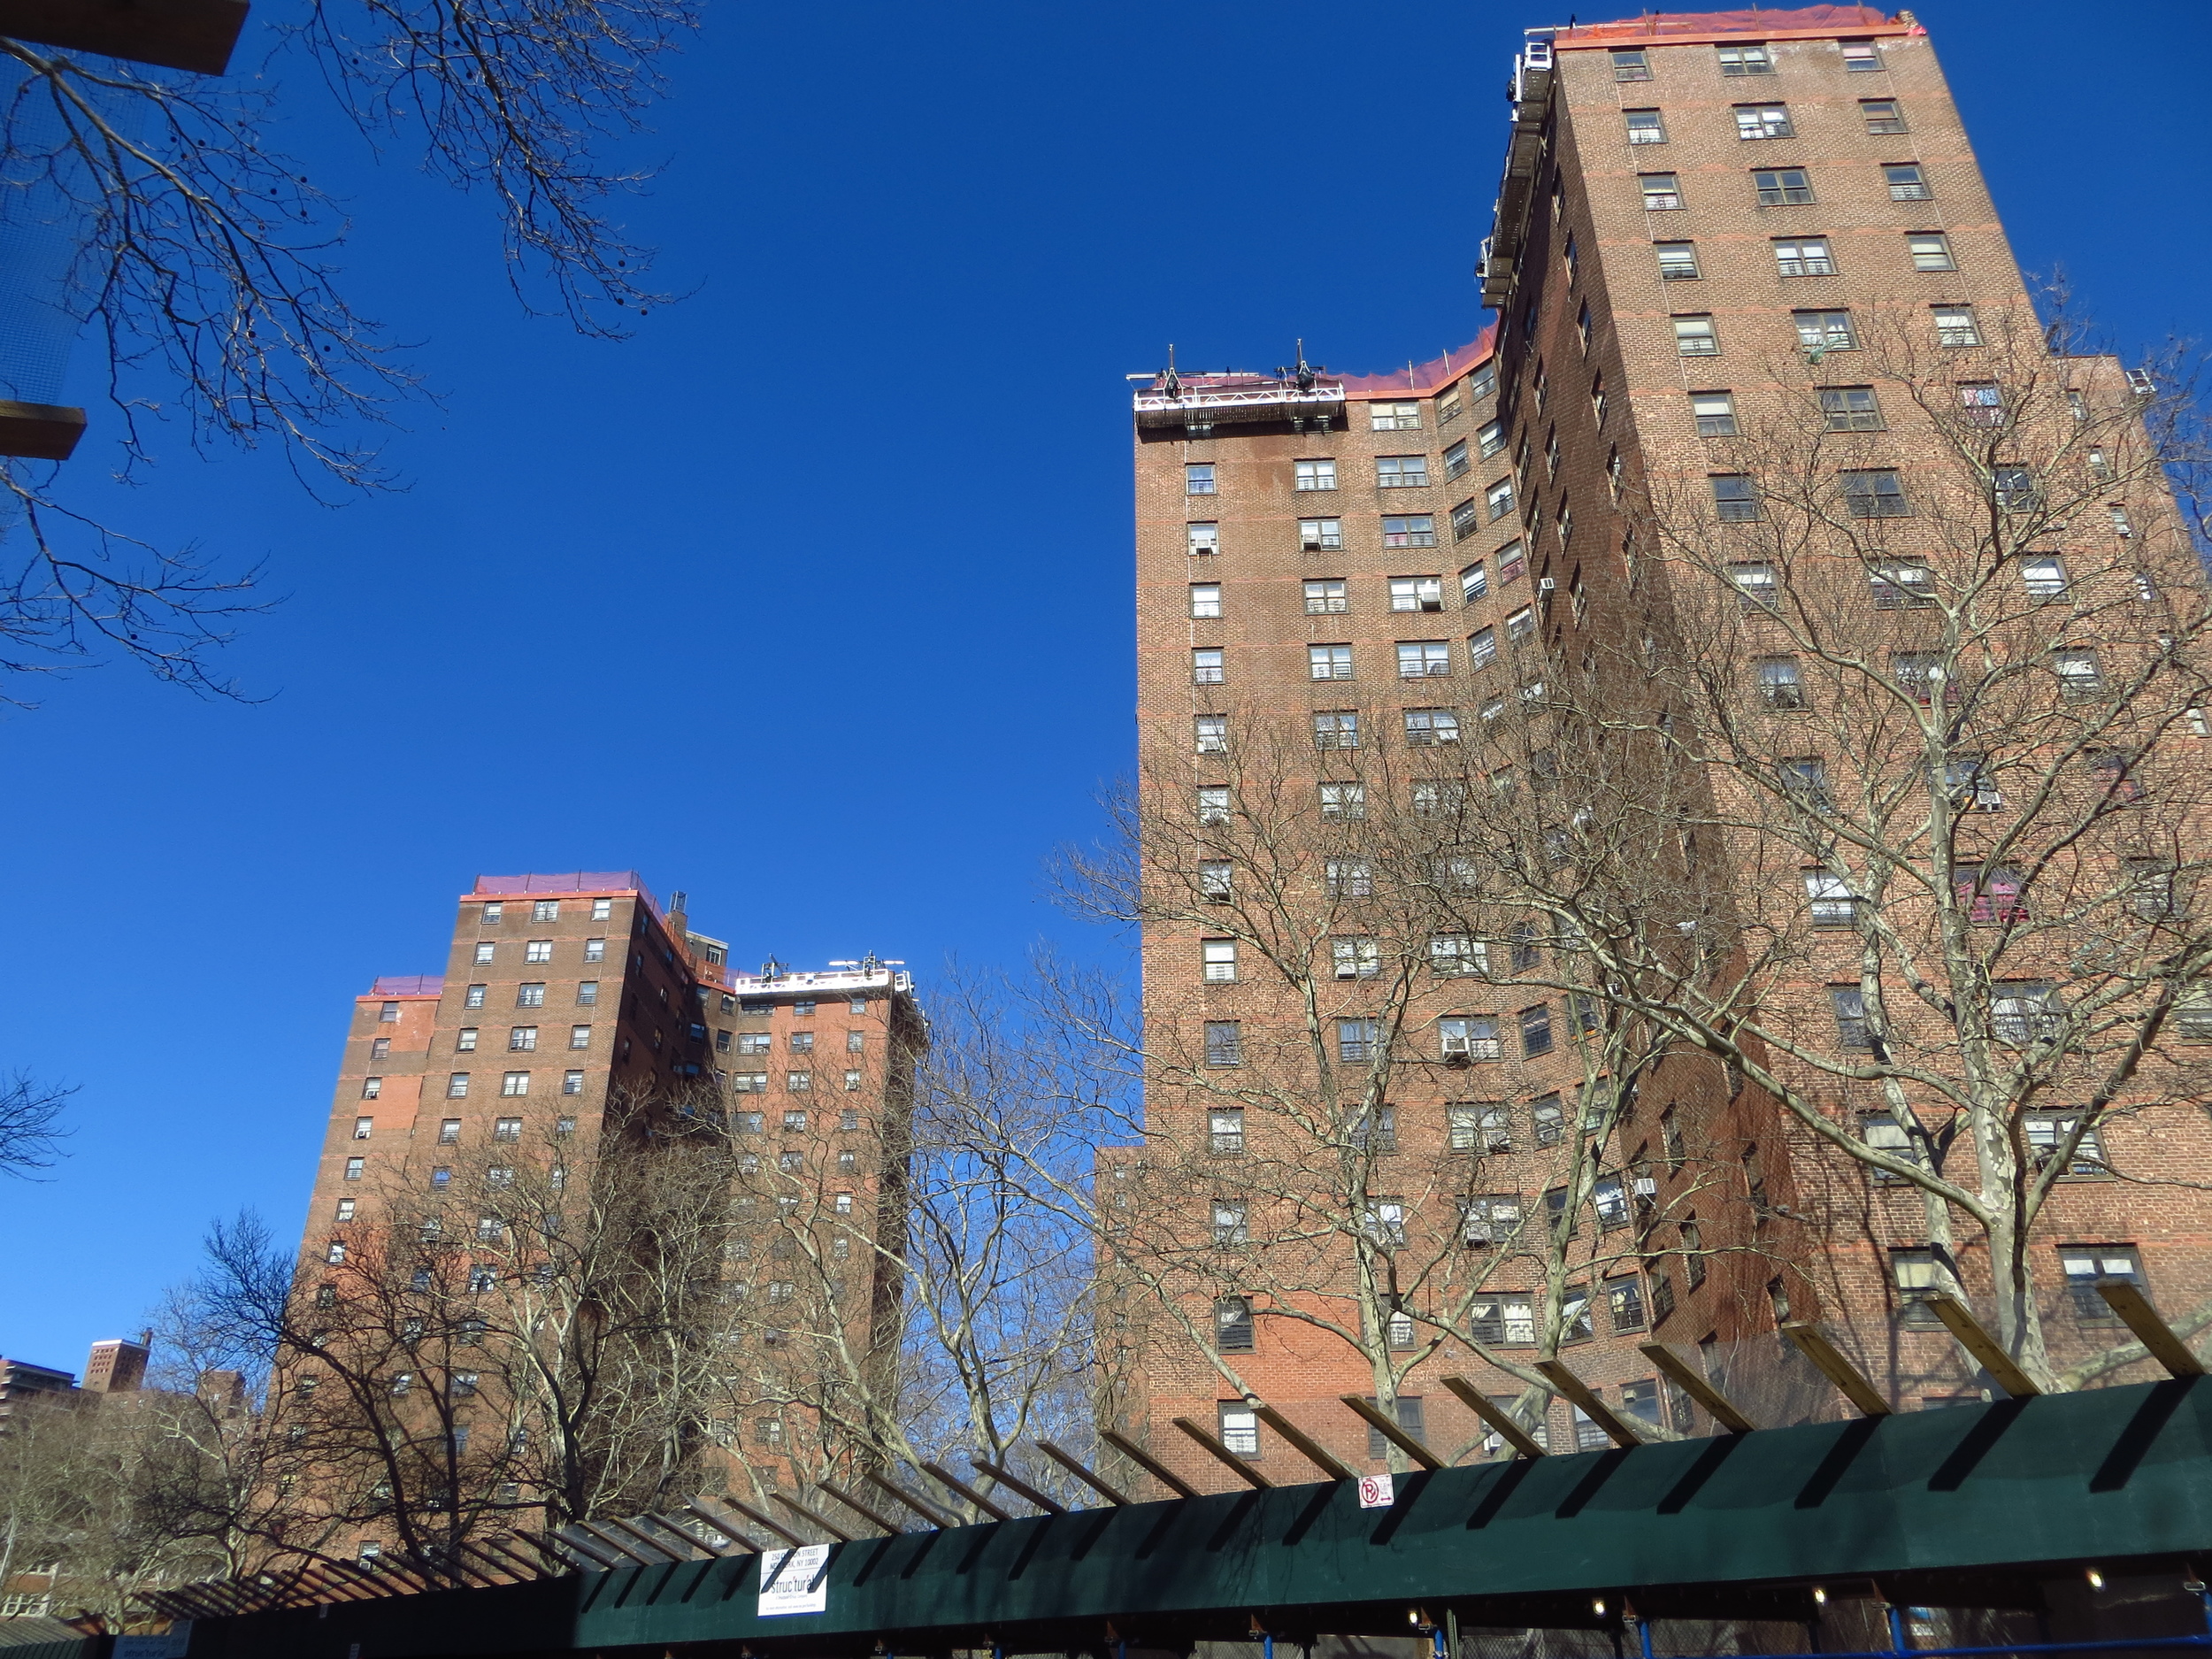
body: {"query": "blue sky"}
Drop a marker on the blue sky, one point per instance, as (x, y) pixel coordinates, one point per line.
(813, 599)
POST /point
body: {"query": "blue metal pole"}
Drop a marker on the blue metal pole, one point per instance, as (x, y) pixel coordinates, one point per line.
(1896, 1629)
(1643, 1637)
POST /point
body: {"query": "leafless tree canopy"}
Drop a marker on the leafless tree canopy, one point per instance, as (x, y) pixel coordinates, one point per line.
(30, 1123)
(202, 261)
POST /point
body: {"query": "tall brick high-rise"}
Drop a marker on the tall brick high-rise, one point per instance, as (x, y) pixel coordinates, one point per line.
(1768, 445)
(575, 1009)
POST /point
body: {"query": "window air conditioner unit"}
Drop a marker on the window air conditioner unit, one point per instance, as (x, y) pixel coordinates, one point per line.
(1646, 1187)
(1458, 1058)
(1431, 604)
(1545, 583)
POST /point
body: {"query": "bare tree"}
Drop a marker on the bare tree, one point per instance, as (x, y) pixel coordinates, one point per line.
(30, 1123)
(152, 213)
(1284, 1172)
(1926, 749)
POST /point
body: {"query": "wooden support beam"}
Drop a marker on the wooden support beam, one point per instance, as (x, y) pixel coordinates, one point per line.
(624, 1529)
(820, 1520)
(2157, 1337)
(198, 35)
(633, 1554)
(769, 1523)
(1684, 1376)
(1007, 1478)
(1832, 1365)
(953, 1483)
(1499, 1421)
(1068, 1461)
(921, 1506)
(857, 1506)
(1578, 1393)
(1304, 1444)
(597, 1554)
(1222, 1455)
(514, 1558)
(1988, 1352)
(506, 1571)
(1150, 1465)
(1375, 1419)
(739, 1545)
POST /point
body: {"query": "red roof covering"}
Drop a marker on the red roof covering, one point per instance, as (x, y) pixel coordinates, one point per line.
(1421, 379)
(1763, 23)
(394, 986)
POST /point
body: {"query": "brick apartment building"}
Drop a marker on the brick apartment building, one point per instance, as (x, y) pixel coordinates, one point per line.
(570, 999)
(1698, 211)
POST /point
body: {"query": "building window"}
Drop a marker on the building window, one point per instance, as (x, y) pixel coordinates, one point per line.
(1220, 959)
(465, 1040)
(1906, 182)
(1225, 1129)
(1350, 878)
(2048, 1134)
(1981, 403)
(1319, 475)
(1745, 60)
(1393, 416)
(1212, 733)
(852, 1082)
(1320, 535)
(538, 950)
(1472, 1035)
(1402, 471)
(2013, 488)
(474, 996)
(522, 1039)
(1205, 600)
(1783, 187)
(484, 951)
(1456, 954)
(1831, 898)
(1357, 1041)
(1715, 414)
(1490, 438)
(1850, 409)
(1624, 1308)
(371, 1088)
(1213, 804)
(1824, 332)
(1645, 126)
(1803, 256)
(1456, 461)
(1327, 596)
(573, 1082)
(1931, 250)
(1954, 326)
(1225, 1042)
(1735, 497)
(1677, 261)
(1883, 115)
(2085, 1266)
(1662, 192)
(1755, 583)
(595, 950)
(1763, 120)
(515, 1083)
(1780, 686)
(1416, 593)
(1420, 659)
(354, 1168)
(345, 1210)
(1328, 662)
(1874, 493)
(2024, 1011)
(1413, 530)
(1216, 881)
(1902, 586)
(1631, 66)
(531, 995)
(380, 1048)
(1693, 337)
(1917, 1277)
(1202, 539)
(1198, 478)
(456, 1085)
(2080, 675)
(1482, 648)
(1536, 1030)
(1427, 727)
(1356, 959)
